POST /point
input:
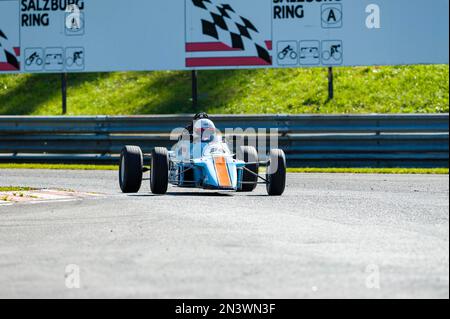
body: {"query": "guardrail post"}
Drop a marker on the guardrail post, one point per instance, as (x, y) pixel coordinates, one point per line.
(64, 92)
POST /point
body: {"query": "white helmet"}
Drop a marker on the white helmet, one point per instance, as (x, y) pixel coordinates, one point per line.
(204, 130)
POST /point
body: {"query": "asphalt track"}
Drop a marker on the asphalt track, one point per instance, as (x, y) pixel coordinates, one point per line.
(344, 236)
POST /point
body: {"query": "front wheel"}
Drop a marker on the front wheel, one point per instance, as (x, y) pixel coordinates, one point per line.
(159, 179)
(131, 169)
(276, 173)
(250, 175)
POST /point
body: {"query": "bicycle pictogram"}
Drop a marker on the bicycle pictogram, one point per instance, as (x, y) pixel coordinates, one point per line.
(76, 59)
(334, 52)
(287, 50)
(34, 58)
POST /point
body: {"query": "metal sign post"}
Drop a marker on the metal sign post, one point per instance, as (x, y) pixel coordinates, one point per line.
(64, 92)
(194, 90)
(330, 84)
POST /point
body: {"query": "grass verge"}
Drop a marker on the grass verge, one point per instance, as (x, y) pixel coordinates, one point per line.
(399, 89)
(440, 171)
(437, 171)
(15, 189)
(78, 167)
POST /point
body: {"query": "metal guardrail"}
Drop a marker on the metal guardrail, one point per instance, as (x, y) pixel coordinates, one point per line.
(309, 140)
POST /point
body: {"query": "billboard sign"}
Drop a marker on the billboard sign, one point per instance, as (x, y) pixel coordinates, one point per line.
(38, 36)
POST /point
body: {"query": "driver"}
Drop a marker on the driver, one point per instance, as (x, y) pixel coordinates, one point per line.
(204, 131)
(200, 133)
(200, 129)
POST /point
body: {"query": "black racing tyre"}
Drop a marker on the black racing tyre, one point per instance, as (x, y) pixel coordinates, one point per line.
(131, 169)
(159, 178)
(249, 155)
(276, 173)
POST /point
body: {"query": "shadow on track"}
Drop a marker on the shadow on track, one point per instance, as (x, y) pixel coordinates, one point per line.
(185, 194)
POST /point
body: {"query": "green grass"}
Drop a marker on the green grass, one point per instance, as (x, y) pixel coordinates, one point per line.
(61, 167)
(403, 89)
(15, 189)
(437, 171)
(290, 170)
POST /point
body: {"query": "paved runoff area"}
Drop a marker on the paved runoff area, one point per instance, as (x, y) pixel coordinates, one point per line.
(330, 235)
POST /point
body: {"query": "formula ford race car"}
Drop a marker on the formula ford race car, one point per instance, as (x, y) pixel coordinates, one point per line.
(202, 159)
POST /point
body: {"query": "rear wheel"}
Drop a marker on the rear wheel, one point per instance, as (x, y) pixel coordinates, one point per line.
(131, 169)
(159, 179)
(276, 173)
(250, 181)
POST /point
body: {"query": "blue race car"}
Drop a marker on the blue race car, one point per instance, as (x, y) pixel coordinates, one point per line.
(202, 159)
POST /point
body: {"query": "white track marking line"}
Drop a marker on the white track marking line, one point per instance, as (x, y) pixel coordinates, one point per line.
(51, 201)
(6, 204)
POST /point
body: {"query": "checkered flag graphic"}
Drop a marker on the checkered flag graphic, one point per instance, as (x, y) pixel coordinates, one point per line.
(7, 56)
(223, 23)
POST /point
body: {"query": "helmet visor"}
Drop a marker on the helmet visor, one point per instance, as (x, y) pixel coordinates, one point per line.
(206, 134)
